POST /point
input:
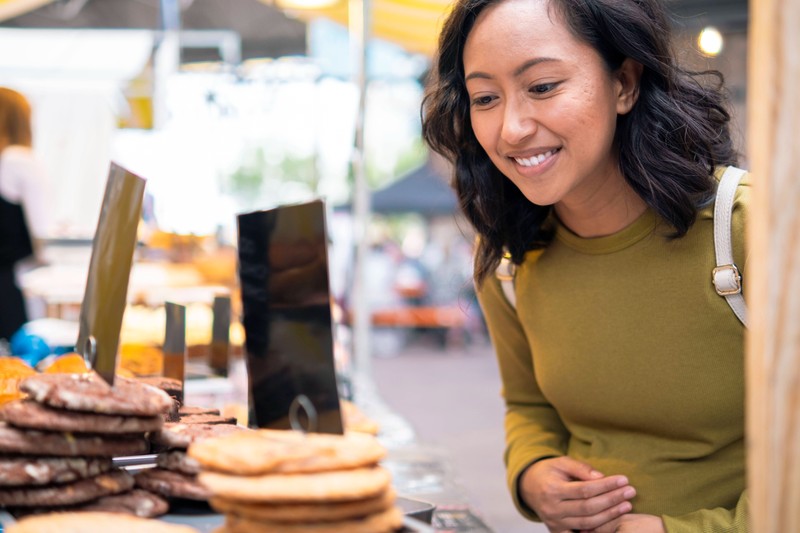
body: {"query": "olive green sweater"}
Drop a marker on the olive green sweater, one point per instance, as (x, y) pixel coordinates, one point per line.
(621, 354)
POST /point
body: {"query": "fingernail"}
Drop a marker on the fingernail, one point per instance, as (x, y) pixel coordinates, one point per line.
(621, 482)
(629, 493)
(596, 475)
(625, 507)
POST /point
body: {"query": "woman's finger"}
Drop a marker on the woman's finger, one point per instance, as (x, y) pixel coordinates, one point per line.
(597, 521)
(597, 504)
(583, 490)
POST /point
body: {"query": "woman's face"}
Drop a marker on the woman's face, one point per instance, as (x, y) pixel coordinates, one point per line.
(543, 104)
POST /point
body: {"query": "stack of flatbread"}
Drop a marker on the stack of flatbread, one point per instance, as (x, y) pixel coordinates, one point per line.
(281, 480)
(56, 446)
(175, 475)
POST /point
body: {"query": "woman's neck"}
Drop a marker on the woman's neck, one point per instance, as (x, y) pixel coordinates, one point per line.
(610, 209)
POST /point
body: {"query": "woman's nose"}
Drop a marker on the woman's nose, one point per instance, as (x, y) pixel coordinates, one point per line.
(519, 123)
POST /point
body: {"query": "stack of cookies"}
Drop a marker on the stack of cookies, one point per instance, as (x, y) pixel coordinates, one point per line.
(281, 480)
(175, 475)
(56, 447)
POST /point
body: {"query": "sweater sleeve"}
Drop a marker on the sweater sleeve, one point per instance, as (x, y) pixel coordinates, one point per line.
(711, 520)
(533, 428)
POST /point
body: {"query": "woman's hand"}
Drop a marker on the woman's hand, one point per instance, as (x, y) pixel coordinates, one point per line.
(633, 523)
(569, 495)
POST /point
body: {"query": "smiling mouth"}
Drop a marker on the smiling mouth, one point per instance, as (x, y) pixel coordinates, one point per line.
(536, 160)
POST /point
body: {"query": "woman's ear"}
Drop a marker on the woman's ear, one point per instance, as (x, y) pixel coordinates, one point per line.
(627, 77)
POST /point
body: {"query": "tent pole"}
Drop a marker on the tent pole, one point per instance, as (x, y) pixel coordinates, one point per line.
(358, 22)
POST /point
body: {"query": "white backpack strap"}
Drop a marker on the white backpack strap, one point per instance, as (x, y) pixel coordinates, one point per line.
(725, 276)
(505, 273)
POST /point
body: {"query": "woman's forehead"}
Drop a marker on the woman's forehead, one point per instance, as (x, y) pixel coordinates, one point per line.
(522, 29)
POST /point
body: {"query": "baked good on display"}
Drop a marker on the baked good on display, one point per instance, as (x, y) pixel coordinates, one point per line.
(287, 451)
(93, 522)
(56, 447)
(18, 471)
(33, 415)
(89, 392)
(287, 481)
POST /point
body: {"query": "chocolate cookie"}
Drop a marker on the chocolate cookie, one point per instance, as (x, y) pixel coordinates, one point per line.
(171, 484)
(186, 410)
(182, 435)
(178, 461)
(26, 471)
(88, 392)
(207, 419)
(31, 442)
(136, 502)
(73, 493)
(28, 414)
(173, 387)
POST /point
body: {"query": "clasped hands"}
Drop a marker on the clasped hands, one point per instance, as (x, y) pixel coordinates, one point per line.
(569, 496)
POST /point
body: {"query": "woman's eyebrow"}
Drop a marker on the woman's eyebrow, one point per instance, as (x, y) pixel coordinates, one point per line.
(532, 63)
(517, 71)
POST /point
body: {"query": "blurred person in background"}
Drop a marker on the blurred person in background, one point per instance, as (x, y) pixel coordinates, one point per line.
(23, 204)
(583, 151)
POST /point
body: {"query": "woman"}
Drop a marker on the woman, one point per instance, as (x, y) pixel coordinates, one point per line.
(23, 205)
(585, 152)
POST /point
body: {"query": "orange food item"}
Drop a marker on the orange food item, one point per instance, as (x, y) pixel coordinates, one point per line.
(69, 363)
(12, 371)
(141, 359)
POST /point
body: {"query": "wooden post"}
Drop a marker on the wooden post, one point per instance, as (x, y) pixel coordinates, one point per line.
(773, 270)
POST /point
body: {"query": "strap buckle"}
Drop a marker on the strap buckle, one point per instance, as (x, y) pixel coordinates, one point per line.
(506, 269)
(727, 280)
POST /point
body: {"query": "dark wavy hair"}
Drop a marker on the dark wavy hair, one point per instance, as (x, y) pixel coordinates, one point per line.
(669, 143)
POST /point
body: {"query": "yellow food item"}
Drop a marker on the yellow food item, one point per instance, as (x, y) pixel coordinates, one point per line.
(355, 420)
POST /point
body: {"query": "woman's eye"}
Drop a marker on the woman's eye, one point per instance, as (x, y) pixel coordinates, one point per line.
(543, 88)
(482, 100)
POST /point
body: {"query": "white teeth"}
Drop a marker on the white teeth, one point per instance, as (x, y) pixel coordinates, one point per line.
(535, 160)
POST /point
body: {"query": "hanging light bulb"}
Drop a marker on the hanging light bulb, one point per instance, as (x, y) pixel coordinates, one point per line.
(710, 41)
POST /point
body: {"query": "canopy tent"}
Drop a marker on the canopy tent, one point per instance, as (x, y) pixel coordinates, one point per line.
(264, 30)
(267, 32)
(424, 190)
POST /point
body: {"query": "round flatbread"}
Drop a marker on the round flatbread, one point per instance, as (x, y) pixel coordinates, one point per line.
(26, 471)
(343, 485)
(32, 442)
(186, 410)
(172, 484)
(207, 419)
(95, 522)
(383, 522)
(178, 461)
(80, 491)
(29, 414)
(272, 451)
(89, 392)
(178, 435)
(306, 512)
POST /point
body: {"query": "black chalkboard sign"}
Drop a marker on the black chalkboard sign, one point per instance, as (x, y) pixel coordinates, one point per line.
(283, 273)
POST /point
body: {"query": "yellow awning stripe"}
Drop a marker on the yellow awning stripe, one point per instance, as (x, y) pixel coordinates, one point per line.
(412, 24)
(14, 8)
